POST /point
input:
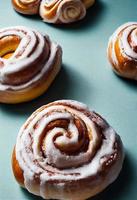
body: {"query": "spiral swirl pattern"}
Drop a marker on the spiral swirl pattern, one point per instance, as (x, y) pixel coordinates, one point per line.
(65, 11)
(54, 11)
(32, 60)
(62, 143)
(122, 50)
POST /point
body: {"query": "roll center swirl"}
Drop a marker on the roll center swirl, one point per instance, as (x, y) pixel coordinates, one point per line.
(69, 136)
(64, 139)
(71, 12)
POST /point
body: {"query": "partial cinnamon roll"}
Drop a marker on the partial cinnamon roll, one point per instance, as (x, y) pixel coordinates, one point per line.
(54, 11)
(122, 50)
(29, 62)
(64, 11)
(65, 151)
(28, 7)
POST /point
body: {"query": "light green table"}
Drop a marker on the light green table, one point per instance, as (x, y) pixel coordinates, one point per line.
(85, 76)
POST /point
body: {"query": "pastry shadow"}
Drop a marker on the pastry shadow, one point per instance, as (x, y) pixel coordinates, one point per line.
(29, 196)
(132, 84)
(92, 18)
(55, 91)
(121, 186)
(35, 17)
(63, 87)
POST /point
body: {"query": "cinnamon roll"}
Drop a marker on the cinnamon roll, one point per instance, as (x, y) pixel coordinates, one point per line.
(29, 62)
(54, 11)
(65, 11)
(65, 151)
(122, 50)
(28, 7)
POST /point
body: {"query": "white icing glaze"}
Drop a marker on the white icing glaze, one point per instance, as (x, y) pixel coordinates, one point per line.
(26, 55)
(125, 48)
(67, 10)
(84, 164)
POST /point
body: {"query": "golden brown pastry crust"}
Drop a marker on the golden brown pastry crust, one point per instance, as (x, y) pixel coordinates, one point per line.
(88, 3)
(122, 52)
(18, 173)
(74, 185)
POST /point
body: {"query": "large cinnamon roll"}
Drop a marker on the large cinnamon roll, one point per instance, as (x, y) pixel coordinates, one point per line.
(65, 151)
(29, 63)
(54, 11)
(122, 50)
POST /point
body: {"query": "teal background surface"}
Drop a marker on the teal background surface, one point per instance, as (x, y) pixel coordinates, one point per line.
(86, 76)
